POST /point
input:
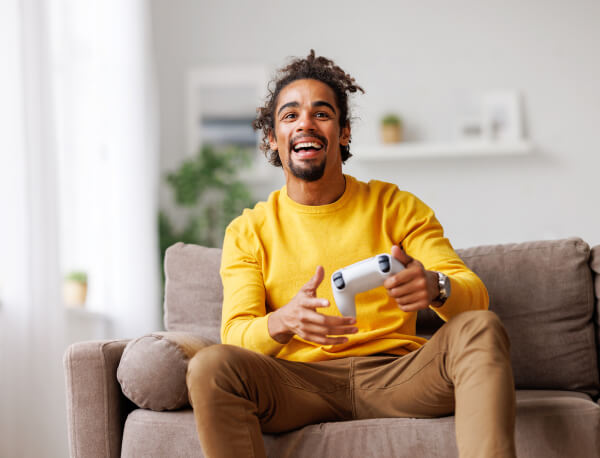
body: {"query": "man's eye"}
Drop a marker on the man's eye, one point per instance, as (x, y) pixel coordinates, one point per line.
(322, 114)
(289, 116)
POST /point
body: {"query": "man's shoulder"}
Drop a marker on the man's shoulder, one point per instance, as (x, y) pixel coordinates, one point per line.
(256, 216)
(383, 190)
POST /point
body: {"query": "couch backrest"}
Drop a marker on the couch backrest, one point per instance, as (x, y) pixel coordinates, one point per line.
(193, 290)
(542, 291)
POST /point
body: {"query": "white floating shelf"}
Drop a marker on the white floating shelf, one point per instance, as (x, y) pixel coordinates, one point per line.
(417, 150)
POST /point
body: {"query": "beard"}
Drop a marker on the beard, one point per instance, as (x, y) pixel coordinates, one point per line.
(308, 172)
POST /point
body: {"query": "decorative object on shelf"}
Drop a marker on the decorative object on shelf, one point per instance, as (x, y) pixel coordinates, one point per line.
(391, 129)
(209, 195)
(75, 288)
(470, 129)
(502, 117)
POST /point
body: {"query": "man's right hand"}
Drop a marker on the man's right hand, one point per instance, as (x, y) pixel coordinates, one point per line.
(300, 317)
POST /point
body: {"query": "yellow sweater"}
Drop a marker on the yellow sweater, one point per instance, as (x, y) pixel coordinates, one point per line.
(271, 251)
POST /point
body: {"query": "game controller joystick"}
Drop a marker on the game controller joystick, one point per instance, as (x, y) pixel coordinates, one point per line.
(361, 276)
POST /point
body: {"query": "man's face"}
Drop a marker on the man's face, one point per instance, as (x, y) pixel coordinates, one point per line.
(307, 130)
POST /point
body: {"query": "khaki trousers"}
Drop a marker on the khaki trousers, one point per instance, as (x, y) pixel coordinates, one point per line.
(464, 369)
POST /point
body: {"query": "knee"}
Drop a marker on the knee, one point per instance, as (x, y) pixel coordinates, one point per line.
(216, 363)
(481, 326)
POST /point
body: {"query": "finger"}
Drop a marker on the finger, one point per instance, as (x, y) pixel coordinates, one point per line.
(406, 284)
(414, 307)
(311, 286)
(342, 330)
(324, 340)
(413, 273)
(334, 320)
(403, 290)
(312, 316)
(401, 255)
(419, 297)
(314, 302)
(324, 331)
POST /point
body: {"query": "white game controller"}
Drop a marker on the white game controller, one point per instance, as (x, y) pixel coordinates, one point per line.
(361, 276)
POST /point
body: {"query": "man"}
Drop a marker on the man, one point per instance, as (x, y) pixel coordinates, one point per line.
(289, 358)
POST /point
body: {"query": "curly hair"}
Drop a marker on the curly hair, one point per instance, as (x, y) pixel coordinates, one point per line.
(312, 67)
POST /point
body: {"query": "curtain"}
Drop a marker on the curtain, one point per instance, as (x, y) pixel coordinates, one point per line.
(78, 188)
(108, 145)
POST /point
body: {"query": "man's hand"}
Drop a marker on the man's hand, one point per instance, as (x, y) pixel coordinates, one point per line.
(413, 288)
(299, 317)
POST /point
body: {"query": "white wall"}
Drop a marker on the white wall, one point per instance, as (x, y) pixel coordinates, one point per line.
(424, 60)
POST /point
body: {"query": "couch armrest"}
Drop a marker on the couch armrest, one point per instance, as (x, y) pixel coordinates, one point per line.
(96, 408)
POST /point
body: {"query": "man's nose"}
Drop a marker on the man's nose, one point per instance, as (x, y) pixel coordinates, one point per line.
(306, 122)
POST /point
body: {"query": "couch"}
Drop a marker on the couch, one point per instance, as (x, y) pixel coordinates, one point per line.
(128, 397)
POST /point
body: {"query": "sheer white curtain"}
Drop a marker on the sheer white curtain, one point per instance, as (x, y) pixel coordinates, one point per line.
(78, 179)
(31, 318)
(108, 144)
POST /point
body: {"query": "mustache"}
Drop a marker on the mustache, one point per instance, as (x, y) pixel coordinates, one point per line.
(301, 136)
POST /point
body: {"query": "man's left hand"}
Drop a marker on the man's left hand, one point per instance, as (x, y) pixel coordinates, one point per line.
(413, 288)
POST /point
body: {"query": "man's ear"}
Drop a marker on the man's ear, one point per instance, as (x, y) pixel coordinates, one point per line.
(345, 135)
(272, 141)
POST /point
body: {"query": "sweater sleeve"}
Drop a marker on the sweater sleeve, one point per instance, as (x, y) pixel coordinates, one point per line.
(424, 240)
(244, 316)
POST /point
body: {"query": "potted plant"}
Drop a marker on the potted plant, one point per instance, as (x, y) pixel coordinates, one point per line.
(208, 195)
(75, 288)
(391, 129)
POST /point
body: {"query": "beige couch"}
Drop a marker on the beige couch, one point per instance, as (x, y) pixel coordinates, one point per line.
(543, 292)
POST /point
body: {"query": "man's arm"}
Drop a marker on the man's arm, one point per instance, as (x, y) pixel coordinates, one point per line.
(425, 251)
(245, 321)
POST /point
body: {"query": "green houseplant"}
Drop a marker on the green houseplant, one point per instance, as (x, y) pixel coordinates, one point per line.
(209, 193)
(391, 129)
(75, 288)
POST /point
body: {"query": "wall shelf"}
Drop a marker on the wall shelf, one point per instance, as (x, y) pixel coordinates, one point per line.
(419, 150)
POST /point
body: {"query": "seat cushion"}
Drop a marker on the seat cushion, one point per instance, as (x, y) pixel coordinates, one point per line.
(549, 424)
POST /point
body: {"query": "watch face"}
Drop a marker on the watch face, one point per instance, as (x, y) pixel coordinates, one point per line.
(444, 282)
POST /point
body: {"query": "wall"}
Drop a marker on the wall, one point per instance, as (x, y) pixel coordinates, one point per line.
(425, 59)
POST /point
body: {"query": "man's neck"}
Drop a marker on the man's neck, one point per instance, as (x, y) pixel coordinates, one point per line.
(321, 192)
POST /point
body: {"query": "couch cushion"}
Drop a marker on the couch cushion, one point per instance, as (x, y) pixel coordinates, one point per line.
(543, 293)
(595, 265)
(549, 424)
(193, 290)
(153, 367)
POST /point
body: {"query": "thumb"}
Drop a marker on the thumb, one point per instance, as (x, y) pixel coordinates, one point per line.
(400, 255)
(312, 284)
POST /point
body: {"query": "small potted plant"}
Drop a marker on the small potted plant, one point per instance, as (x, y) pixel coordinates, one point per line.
(75, 288)
(391, 129)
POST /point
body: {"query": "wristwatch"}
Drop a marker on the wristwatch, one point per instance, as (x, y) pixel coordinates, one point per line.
(444, 285)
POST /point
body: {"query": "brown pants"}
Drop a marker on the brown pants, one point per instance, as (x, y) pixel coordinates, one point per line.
(464, 369)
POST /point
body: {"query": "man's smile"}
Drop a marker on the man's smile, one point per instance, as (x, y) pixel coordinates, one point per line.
(308, 147)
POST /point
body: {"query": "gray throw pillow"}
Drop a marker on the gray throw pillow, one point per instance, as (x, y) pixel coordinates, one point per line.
(153, 368)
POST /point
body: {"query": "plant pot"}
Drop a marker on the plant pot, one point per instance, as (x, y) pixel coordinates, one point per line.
(74, 293)
(391, 133)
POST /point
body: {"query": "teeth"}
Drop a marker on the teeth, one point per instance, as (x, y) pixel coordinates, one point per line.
(307, 145)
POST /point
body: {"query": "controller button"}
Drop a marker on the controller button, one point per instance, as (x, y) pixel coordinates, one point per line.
(338, 280)
(384, 264)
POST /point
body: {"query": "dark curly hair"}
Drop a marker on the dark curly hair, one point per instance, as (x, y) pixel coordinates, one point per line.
(312, 67)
